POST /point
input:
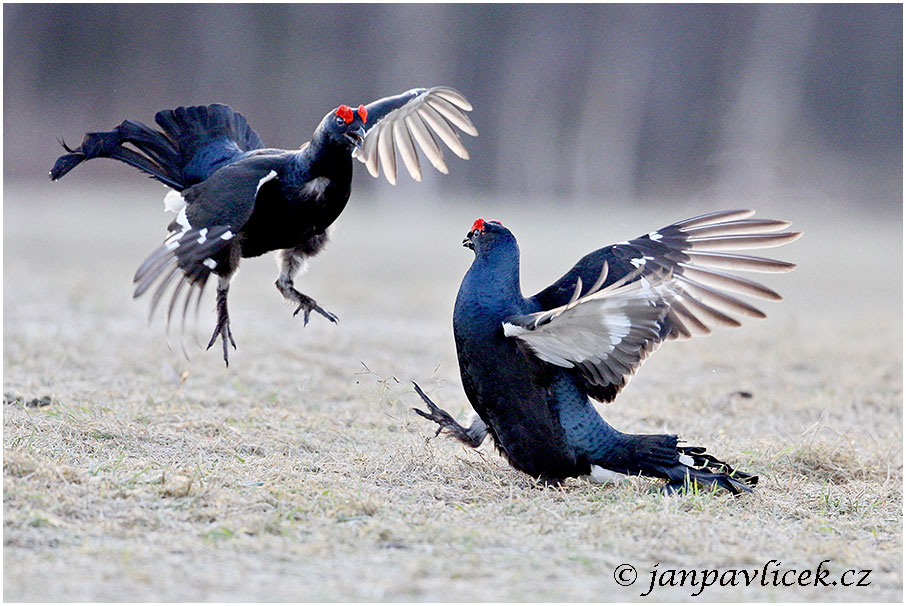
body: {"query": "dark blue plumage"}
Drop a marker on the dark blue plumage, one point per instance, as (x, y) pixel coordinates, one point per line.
(234, 198)
(530, 365)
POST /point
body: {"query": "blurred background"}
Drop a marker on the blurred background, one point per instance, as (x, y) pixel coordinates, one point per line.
(604, 102)
(597, 123)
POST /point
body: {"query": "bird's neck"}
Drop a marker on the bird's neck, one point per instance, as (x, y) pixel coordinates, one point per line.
(320, 181)
(327, 159)
(492, 282)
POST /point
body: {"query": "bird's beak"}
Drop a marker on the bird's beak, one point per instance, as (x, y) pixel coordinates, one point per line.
(467, 241)
(356, 136)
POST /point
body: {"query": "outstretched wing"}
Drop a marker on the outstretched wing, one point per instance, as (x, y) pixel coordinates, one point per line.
(415, 118)
(605, 334)
(228, 196)
(211, 215)
(664, 285)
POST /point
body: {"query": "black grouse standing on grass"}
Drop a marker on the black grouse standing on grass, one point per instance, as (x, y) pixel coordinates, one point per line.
(529, 366)
(235, 198)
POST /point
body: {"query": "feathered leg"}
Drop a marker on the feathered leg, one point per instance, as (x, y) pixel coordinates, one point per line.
(291, 261)
(223, 319)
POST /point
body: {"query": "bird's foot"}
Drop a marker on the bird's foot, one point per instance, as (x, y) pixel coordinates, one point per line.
(446, 421)
(308, 305)
(305, 304)
(223, 331)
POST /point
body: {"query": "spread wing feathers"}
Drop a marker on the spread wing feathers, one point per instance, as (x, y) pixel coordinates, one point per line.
(697, 252)
(194, 142)
(683, 264)
(695, 248)
(605, 334)
(186, 258)
(414, 119)
(214, 213)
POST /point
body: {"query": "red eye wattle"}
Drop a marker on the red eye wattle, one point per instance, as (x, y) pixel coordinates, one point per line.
(345, 112)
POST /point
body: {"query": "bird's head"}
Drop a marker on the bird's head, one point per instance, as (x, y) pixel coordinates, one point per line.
(486, 236)
(344, 126)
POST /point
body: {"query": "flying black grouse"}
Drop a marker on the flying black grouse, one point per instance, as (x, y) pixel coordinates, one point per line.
(529, 366)
(235, 198)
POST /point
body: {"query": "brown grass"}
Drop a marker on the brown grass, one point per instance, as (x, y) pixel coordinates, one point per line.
(300, 473)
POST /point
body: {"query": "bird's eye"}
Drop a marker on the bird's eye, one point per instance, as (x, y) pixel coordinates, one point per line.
(340, 121)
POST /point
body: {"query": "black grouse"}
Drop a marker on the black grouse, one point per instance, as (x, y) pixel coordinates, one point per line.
(529, 366)
(234, 198)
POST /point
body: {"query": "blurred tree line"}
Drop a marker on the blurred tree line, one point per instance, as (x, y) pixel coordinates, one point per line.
(617, 100)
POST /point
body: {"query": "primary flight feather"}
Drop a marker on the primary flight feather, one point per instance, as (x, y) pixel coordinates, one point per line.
(234, 198)
(529, 366)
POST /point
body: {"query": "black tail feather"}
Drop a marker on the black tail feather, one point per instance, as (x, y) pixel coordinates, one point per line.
(66, 163)
(707, 470)
(194, 142)
(660, 456)
(191, 127)
(157, 157)
(701, 459)
(658, 450)
(685, 476)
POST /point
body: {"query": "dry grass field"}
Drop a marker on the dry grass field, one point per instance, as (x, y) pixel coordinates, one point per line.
(300, 473)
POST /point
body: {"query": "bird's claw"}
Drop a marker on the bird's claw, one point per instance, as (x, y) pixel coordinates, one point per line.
(440, 416)
(223, 331)
(435, 415)
(309, 306)
(306, 303)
